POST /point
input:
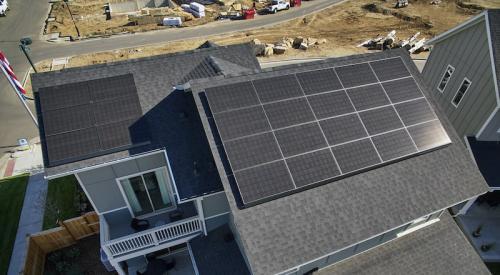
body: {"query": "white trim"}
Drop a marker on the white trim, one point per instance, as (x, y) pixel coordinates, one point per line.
(495, 79)
(202, 196)
(415, 228)
(172, 176)
(442, 78)
(201, 215)
(458, 90)
(463, 26)
(87, 194)
(217, 215)
(193, 262)
(92, 167)
(162, 169)
(114, 210)
(371, 237)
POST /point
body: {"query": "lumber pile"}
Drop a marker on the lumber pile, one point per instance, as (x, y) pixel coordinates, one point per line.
(411, 44)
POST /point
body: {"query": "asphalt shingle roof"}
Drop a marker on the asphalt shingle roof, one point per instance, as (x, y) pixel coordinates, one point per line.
(283, 233)
(440, 248)
(487, 156)
(172, 115)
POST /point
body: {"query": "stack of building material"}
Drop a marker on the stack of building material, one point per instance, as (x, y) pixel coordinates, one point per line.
(172, 21)
(198, 10)
(389, 42)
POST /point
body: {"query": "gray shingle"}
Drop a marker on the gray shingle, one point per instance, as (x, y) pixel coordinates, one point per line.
(283, 233)
(440, 248)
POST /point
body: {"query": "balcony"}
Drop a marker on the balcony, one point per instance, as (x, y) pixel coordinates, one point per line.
(119, 239)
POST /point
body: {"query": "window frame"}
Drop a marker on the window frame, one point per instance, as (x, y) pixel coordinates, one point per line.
(154, 212)
(442, 78)
(464, 93)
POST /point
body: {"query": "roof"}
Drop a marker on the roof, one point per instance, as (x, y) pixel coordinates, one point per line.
(286, 232)
(171, 115)
(218, 253)
(492, 19)
(440, 248)
(487, 156)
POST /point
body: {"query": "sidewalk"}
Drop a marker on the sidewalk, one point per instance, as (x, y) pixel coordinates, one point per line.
(31, 220)
(20, 162)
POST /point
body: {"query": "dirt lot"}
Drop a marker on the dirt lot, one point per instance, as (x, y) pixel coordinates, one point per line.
(80, 19)
(344, 26)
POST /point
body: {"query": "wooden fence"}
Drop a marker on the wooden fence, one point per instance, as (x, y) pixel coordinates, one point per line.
(42, 243)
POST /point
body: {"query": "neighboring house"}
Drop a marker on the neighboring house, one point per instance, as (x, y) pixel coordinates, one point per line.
(280, 171)
(463, 72)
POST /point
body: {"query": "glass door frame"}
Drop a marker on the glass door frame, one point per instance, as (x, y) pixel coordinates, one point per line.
(141, 174)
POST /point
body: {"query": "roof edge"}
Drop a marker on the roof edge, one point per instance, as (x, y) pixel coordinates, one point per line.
(462, 26)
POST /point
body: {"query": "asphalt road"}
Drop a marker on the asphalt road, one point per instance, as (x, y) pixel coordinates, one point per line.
(26, 18)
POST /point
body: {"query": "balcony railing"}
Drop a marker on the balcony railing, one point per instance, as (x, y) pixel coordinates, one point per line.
(152, 237)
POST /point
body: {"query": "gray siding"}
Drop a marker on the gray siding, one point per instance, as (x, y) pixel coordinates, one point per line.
(101, 184)
(491, 130)
(468, 52)
(213, 223)
(215, 204)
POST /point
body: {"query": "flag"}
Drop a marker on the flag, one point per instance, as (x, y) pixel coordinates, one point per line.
(11, 76)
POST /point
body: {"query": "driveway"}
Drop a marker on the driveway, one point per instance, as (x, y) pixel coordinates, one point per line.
(26, 19)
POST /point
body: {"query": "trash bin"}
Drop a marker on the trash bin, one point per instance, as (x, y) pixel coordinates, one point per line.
(249, 14)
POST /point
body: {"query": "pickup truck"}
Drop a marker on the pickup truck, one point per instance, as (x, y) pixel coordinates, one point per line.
(4, 7)
(277, 5)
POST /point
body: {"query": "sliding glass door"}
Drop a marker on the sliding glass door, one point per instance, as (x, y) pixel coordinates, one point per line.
(147, 193)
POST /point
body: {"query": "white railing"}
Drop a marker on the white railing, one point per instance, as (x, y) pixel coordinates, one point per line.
(152, 237)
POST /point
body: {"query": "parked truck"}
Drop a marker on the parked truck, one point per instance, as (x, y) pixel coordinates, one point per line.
(4, 7)
(277, 5)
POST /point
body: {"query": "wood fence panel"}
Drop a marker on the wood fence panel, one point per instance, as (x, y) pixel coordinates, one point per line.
(42, 243)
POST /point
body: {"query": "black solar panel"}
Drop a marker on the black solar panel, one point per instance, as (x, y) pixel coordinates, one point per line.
(402, 89)
(299, 136)
(300, 139)
(356, 75)
(90, 118)
(331, 104)
(319, 81)
(277, 88)
(367, 97)
(390, 69)
(252, 150)
(290, 112)
(232, 96)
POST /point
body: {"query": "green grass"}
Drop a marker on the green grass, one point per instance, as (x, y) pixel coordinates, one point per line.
(62, 201)
(494, 268)
(11, 203)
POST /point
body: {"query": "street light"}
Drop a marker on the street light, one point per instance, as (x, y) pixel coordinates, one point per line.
(24, 42)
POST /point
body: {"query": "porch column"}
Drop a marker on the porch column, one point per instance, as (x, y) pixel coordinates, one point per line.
(201, 215)
(118, 267)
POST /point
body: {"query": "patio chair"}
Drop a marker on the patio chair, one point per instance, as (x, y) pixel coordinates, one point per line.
(139, 225)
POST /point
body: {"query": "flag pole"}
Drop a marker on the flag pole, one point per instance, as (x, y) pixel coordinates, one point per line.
(20, 96)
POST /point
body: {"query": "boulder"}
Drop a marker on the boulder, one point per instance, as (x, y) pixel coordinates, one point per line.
(311, 41)
(279, 49)
(321, 41)
(268, 51)
(303, 46)
(297, 41)
(256, 42)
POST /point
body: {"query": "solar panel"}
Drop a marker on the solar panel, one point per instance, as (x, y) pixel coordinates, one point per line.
(86, 119)
(319, 81)
(277, 88)
(331, 104)
(305, 128)
(389, 69)
(290, 112)
(367, 97)
(356, 75)
(300, 139)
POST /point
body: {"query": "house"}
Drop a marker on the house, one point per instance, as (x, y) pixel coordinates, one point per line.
(288, 170)
(463, 72)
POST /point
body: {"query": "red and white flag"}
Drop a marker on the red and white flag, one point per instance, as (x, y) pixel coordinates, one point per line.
(9, 72)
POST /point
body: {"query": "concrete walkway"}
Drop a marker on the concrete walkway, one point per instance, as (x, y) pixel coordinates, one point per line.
(31, 220)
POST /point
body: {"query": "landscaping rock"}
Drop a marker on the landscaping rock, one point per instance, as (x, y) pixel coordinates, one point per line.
(303, 46)
(297, 41)
(268, 51)
(279, 49)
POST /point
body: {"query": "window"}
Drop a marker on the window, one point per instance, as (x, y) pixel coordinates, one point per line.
(461, 92)
(147, 193)
(446, 77)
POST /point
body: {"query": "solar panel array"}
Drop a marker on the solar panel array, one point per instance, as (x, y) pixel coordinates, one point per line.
(90, 118)
(287, 133)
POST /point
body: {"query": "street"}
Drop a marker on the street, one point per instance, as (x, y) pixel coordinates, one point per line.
(26, 18)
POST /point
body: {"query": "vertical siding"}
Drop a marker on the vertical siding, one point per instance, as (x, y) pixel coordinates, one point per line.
(468, 53)
(215, 204)
(491, 131)
(101, 184)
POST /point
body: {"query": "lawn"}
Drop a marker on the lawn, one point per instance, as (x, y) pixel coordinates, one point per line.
(494, 268)
(62, 201)
(11, 203)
